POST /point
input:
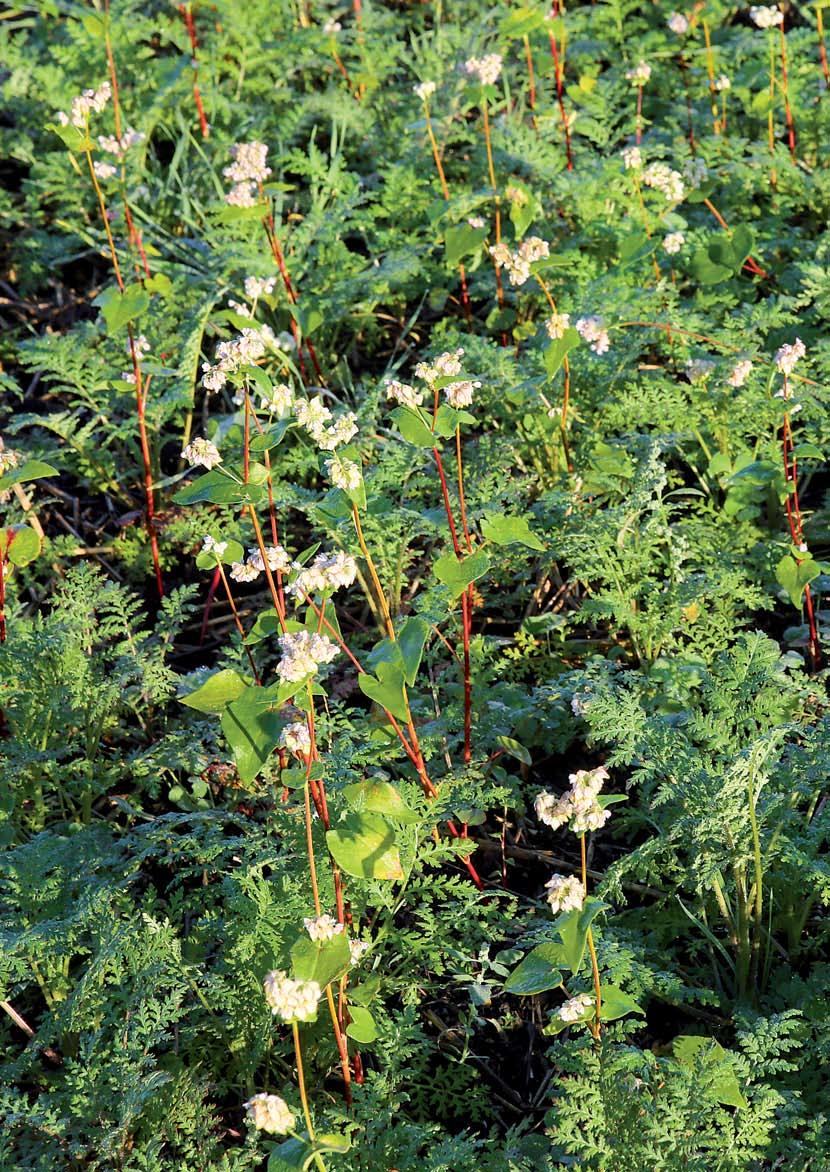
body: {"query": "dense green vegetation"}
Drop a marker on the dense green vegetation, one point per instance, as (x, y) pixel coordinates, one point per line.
(413, 704)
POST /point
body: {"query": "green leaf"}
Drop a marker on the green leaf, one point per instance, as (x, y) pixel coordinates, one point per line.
(364, 845)
(72, 138)
(378, 797)
(521, 22)
(217, 692)
(217, 488)
(22, 545)
(267, 623)
(362, 1027)
(413, 428)
(558, 350)
(459, 574)
(794, 576)
(723, 1087)
(159, 283)
(514, 749)
(505, 530)
(120, 308)
(412, 639)
(461, 240)
(320, 960)
(252, 728)
(635, 247)
(573, 930)
(537, 972)
(386, 689)
(614, 1003)
(30, 470)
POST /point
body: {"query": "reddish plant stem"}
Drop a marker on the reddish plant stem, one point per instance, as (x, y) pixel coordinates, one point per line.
(279, 257)
(150, 512)
(794, 521)
(445, 191)
(497, 205)
(3, 596)
(465, 608)
(822, 50)
(560, 92)
(750, 262)
(214, 586)
(638, 120)
(238, 621)
(530, 80)
(785, 90)
(187, 13)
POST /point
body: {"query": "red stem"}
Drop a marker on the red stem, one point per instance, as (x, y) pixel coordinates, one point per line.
(560, 96)
(187, 13)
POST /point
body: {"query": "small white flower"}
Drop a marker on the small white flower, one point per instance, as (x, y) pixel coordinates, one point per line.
(323, 928)
(460, 394)
(740, 373)
(356, 950)
(248, 164)
(664, 179)
(270, 1113)
(332, 27)
(242, 195)
(278, 559)
(279, 401)
(552, 810)
(788, 355)
(590, 329)
(486, 69)
(576, 1007)
(476, 222)
(142, 346)
(289, 999)
(639, 75)
(302, 653)
(9, 458)
(211, 545)
(565, 893)
(446, 365)
(632, 158)
(802, 547)
(678, 23)
(403, 393)
(104, 171)
(766, 16)
(201, 452)
(259, 287)
(244, 572)
(722, 84)
(344, 474)
(424, 90)
(557, 324)
(673, 242)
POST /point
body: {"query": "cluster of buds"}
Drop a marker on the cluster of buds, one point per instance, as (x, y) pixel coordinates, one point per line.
(276, 558)
(327, 573)
(279, 401)
(576, 1007)
(403, 393)
(270, 1113)
(211, 545)
(322, 928)
(699, 369)
(247, 171)
(486, 69)
(424, 90)
(296, 738)
(9, 458)
(678, 23)
(259, 287)
(517, 264)
(289, 999)
(766, 16)
(234, 354)
(458, 393)
(591, 330)
(120, 146)
(315, 418)
(788, 354)
(579, 807)
(673, 242)
(201, 453)
(662, 178)
(639, 75)
(557, 324)
(344, 474)
(302, 653)
(89, 102)
(739, 373)
(565, 893)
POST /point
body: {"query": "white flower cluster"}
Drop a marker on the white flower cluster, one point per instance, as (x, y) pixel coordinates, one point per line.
(695, 172)
(699, 369)
(201, 452)
(259, 286)
(565, 893)
(639, 75)
(120, 146)
(344, 474)
(327, 573)
(486, 69)
(575, 1008)
(323, 928)
(247, 170)
(356, 950)
(740, 372)
(249, 570)
(279, 401)
(556, 325)
(476, 222)
(403, 393)
(722, 83)
(315, 418)
(289, 999)
(518, 263)
(296, 739)
(270, 1113)
(302, 654)
(211, 545)
(9, 458)
(447, 365)
(424, 90)
(788, 354)
(661, 177)
(678, 23)
(590, 329)
(632, 158)
(766, 16)
(579, 806)
(90, 101)
(244, 350)
(104, 171)
(673, 242)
